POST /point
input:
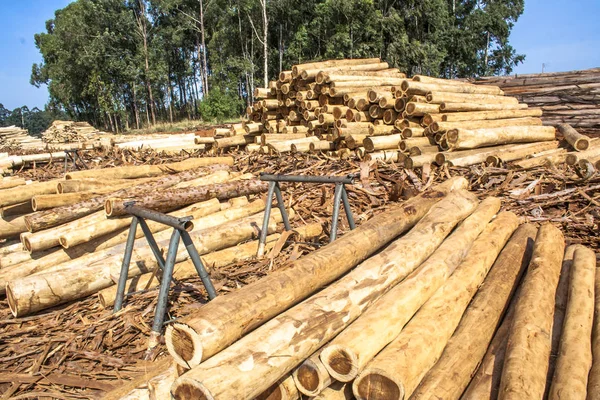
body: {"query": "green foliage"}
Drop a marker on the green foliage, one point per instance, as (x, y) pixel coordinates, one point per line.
(116, 62)
(220, 106)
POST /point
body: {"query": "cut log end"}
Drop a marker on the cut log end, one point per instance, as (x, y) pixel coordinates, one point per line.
(307, 379)
(340, 363)
(184, 389)
(581, 144)
(184, 345)
(377, 384)
(12, 302)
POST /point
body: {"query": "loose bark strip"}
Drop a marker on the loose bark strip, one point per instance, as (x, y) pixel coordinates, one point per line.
(323, 316)
(351, 350)
(172, 199)
(146, 171)
(529, 342)
(47, 219)
(398, 369)
(575, 354)
(467, 346)
(593, 388)
(578, 141)
(470, 139)
(206, 335)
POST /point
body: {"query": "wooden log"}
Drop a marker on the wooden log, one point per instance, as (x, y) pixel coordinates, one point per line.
(474, 106)
(470, 139)
(528, 349)
(398, 369)
(593, 388)
(321, 145)
(332, 64)
(12, 227)
(172, 199)
(573, 157)
(232, 141)
(441, 97)
(145, 171)
(385, 142)
(24, 193)
(467, 346)
(355, 141)
(479, 115)
(48, 289)
(419, 109)
(16, 209)
(413, 87)
(311, 377)
(387, 156)
(344, 75)
(351, 350)
(189, 341)
(406, 144)
(86, 185)
(413, 132)
(575, 354)
(311, 73)
(545, 158)
(49, 218)
(485, 384)
(440, 126)
(215, 378)
(283, 389)
(48, 201)
(6, 183)
(516, 152)
(336, 391)
(575, 139)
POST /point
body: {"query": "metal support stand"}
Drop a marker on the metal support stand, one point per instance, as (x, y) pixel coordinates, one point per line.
(340, 196)
(180, 232)
(74, 156)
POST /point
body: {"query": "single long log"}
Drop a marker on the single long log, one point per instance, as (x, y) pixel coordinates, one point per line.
(311, 73)
(322, 317)
(49, 218)
(479, 115)
(528, 349)
(48, 201)
(200, 336)
(346, 355)
(336, 391)
(413, 87)
(593, 388)
(85, 185)
(467, 346)
(575, 354)
(283, 389)
(470, 139)
(16, 209)
(337, 64)
(398, 369)
(441, 126)
(573, 157)
(474, 106)
(441, 97)
(48, 289)
(385, 142)
(172, 199)
(517, 152)
(12, 227)
(492, 154)
(578, 141)
(146, 171)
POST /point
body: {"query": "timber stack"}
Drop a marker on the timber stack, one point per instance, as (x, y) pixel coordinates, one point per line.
(15, 137)
(69, 132)
(365, 109)
(440, 297)
(65, 238)
(565, 97)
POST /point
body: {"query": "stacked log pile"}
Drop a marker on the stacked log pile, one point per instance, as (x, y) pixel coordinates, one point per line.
(565, 97)
(167, 143)
(68, 132)
(363, 108)
(66, 237)
(439, 297)
(13, 136)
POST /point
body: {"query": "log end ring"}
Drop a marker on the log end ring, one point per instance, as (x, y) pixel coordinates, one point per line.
(184, 345)
(186, 388)
(340, 362)
(377, 384)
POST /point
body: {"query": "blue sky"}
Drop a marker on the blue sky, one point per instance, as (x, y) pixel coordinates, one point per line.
(563, 35)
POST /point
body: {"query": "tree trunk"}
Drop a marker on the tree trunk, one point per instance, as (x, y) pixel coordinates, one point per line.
(168, 200)
(21, 194)
(529, 342)
(283, 389)
(421, 88)
(441, 97)
(474, 106)
(469, 139)
(512, 152)
(323, 315)
(479, 115)
(575, 354)
(465, 350)
(311, 377)
(12, 228)
(404, 362)
(204, 62)
(440, 126)
(576, 140)
(346, 355)
(386, 142)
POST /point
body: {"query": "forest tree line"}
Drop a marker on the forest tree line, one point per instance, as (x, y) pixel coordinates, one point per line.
(127, 64)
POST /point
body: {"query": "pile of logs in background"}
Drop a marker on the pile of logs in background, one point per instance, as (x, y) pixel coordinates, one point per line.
(565, 97)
